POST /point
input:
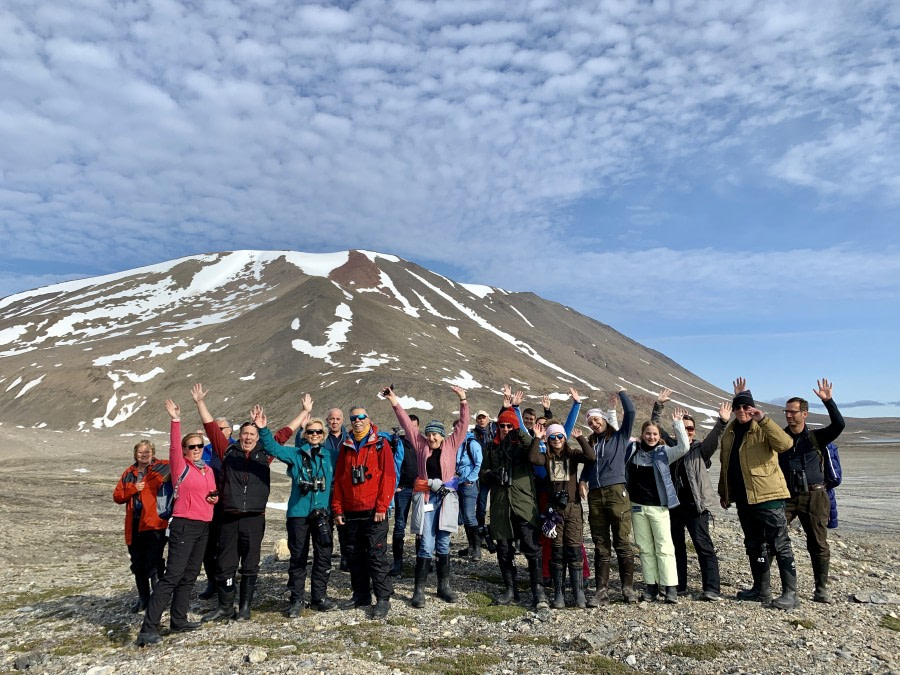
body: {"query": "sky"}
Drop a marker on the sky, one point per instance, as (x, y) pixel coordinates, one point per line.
(718, 181)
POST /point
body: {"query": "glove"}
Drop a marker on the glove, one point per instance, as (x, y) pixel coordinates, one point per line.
(435, 484)
(452, 484)
(549, 529)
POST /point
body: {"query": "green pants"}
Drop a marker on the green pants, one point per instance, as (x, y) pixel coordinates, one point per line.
(609, 509)
(653, 534)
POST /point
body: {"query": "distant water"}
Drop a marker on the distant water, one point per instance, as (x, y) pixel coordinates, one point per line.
(866, 411)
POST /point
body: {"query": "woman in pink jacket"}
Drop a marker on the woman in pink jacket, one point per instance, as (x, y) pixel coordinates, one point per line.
(195, 494)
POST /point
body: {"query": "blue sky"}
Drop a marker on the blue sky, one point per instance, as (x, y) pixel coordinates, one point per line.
(719, 182)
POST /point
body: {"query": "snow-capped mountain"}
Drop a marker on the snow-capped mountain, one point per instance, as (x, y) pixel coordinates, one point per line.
(267, 326)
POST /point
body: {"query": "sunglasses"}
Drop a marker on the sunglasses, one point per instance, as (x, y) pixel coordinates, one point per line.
(354, 418)
(743, 407)
(556, 437)
(687, 428)
(194, 446)
(315, 431)
(504, 426)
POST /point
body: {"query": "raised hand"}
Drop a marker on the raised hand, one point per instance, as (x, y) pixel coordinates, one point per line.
(739, 385)
(824, 390)
(724, 411)
(540, 430)
(198, 393)
(757, 414)
(459, 391)
(307, 403)
(574, 394)
(664, 396)
(678, 414)
(258, 415)
(577, 433)
(173, 409)
(507, 391)
(389, 394)
(518, 397)
(545, 401)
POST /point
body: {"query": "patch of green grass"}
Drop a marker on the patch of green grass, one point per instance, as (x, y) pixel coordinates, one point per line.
(81, 644)
(401, 621)
(479, 599)
(594, 663)
(460, 641)
(890, 622)
(463, 664)
(700, 651)
(491, 613)
(805, 623)
(371, 635)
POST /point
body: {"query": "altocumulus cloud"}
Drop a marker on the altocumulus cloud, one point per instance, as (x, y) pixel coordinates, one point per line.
(134, 130)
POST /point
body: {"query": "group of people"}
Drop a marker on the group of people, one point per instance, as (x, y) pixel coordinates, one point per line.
(514, 485)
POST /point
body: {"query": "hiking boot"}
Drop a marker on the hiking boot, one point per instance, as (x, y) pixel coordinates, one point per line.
(295, 609)
(356, 601)
(323, 605)
(188, 627)
(651, 593)
(671, 595)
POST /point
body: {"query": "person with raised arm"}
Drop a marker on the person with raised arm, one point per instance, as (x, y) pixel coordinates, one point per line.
(195, 495)
(563, 516)
(652, 493)
(435, 500)
(609, 508)
(696, 498)
(803, 467)
(245, 492)
(751, 478)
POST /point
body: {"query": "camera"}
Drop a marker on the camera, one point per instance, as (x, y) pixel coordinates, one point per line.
(799, 483)
(358, 474)
(387, 390)
(323, 526)
(561, 499)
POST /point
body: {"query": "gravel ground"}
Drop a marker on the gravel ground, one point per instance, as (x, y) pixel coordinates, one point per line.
(67, 590)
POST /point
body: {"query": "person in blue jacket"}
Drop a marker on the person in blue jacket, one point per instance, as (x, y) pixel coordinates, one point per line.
(468, 465)
(308, 516)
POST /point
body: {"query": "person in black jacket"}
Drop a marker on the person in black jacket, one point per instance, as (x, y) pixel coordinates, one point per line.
(803, 469)
(409, 471)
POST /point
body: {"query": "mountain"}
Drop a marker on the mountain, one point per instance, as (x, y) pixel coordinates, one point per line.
(267, 326)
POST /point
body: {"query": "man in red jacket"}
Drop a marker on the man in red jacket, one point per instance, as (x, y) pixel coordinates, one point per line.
(364, 481)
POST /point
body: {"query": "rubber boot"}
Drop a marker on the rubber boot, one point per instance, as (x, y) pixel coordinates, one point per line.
(576, 579)
(487, 540)
(143, 588)
(601, 574)
(672, 595)
(474, 544)
(248, 586)
(381, 609)
(418, 596)
(761, 590)
(509, 586)
(820, 572)
(397, 568)
(225, 610)
(651, 593)
(788, 598)
(295, 609)
(559, 596)
(443, 576)
(209, 592)
(626, 574)
(538, 598)
(464, 552)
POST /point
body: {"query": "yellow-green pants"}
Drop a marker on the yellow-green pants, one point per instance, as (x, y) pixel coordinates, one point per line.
(653, 534)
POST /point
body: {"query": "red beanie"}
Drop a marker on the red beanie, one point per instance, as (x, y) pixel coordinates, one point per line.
(508, 417)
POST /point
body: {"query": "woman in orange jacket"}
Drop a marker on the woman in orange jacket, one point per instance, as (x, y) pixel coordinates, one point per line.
(139, 489)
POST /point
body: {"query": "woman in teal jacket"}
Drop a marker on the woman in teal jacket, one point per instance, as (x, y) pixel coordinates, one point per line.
(311, 472)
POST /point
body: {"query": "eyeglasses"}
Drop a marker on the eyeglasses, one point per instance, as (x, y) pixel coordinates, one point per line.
(792, 412)
(354, 418)
(556, 437)
(743, 407)
(197, 446)
(226, 430)
(315, 431)
(689, 428)
(504, 426)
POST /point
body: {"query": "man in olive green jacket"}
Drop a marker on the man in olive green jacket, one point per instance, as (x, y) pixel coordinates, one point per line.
(751, 478)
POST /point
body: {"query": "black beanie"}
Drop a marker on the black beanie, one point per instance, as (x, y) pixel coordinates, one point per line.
(744, 398)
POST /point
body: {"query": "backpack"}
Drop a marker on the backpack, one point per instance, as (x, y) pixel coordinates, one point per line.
(831, 462)
(173, 495)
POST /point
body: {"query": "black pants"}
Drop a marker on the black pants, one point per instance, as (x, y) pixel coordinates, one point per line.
(685, 517)
(301, 531)
(765, 533)
(528, 537)
(240, 541)
(366, 543)
(211, 557)
(187, 543)
(146, 553)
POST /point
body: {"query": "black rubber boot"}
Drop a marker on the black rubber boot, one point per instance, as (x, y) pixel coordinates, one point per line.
(672, 595)
(356, 601)
(421, 578)
(225, 610)
(538, 598)
(788, 598)
(323, 605)
(444, 592)
(210, 591)
(761, 590)
(382, 607)
(397, 568)
(559, 596)
(509, 586)
(820, 573)
(601, 576)
(626, 574)
(474, 542)
(143, 588)
(295, 609)
(487, 541)
(576, 579)
(248, 586)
